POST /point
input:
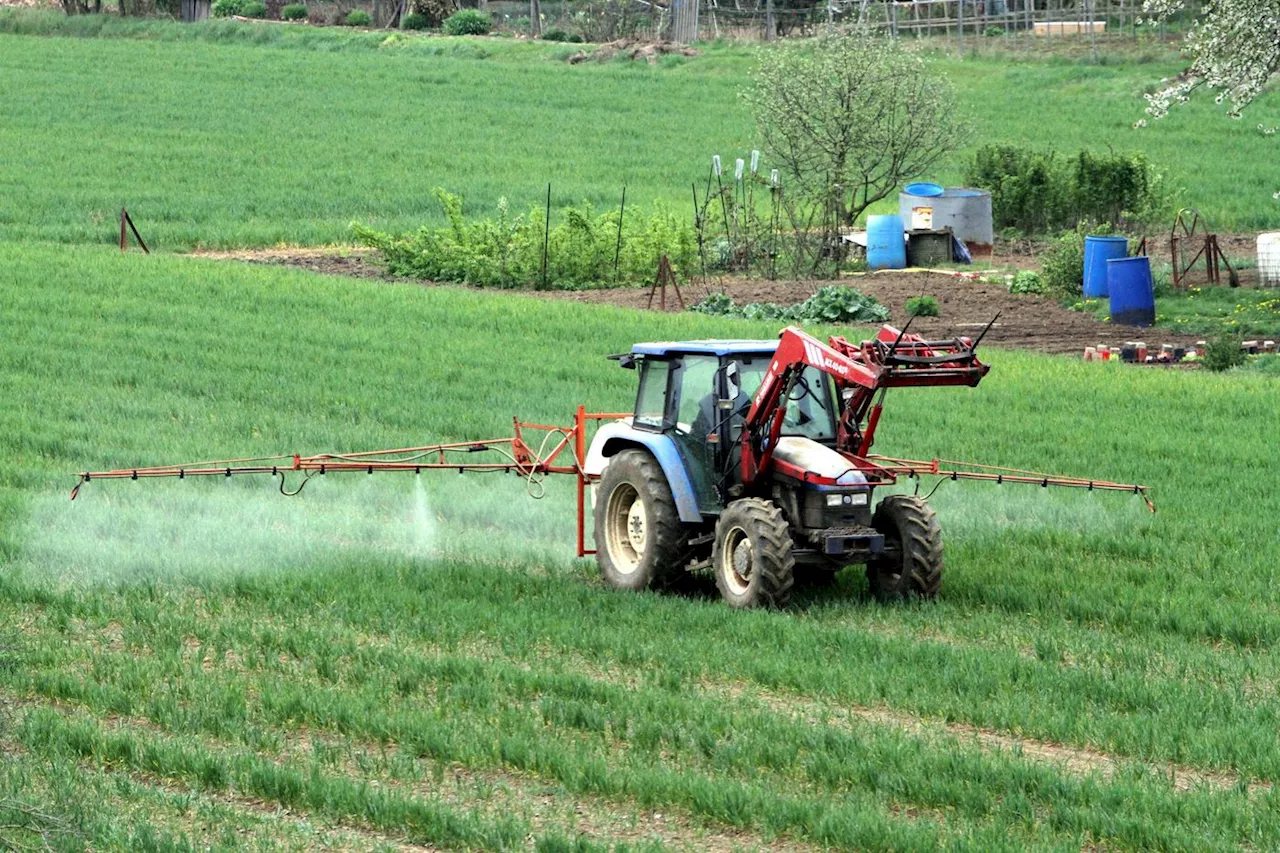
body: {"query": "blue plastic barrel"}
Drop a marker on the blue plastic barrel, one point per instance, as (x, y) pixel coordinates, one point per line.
(886, 245)
(1133, 300)
(1097, 251)
(924, 190)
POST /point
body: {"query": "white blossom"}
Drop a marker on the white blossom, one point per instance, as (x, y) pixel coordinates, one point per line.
(1234, 47)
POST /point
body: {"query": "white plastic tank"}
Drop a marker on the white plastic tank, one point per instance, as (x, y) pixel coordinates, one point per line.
(1269, 259)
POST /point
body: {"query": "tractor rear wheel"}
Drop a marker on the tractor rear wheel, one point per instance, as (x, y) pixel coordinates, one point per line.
(752, 555)
(911, 564)
(639, 540)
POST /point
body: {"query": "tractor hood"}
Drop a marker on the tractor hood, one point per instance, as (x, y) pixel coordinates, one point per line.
(809, 455)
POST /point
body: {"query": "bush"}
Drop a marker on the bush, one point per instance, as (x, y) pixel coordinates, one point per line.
(416, 21)
(254, 9)
(555, 35)
(294, 12)
(993, 31)
(1063, 264)
(227, 8)
(1027, 281)
(468, 22)
(1223, 353)
(507, 251)
(574, 38)
(357, 18)
(1035, 191)
(923, 306)
(832, 304)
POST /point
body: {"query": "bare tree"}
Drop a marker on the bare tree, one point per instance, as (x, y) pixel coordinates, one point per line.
(850, 116)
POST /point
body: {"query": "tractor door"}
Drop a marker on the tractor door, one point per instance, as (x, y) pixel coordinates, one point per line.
(693, 399)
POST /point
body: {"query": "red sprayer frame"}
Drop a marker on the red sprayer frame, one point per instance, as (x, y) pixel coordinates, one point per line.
(520, 459)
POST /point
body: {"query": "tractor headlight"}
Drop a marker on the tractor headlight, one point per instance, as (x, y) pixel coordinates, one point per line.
(857, 499)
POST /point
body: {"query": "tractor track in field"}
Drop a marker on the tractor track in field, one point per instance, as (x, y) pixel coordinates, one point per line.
(1075, 760)
(488, 792)
(967, 303)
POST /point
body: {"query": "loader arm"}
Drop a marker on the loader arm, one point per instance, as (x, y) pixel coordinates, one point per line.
(893, 359)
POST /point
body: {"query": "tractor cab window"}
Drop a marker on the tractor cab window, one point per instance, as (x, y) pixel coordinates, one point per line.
(811, 412)
(651, 401)
(696, 403)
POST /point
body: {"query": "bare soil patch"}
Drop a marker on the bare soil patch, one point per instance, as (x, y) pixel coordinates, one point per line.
(967, 303)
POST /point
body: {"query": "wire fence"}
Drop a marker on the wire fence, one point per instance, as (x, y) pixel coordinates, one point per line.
(1028, 21)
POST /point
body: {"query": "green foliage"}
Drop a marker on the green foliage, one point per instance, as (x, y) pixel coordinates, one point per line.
(468, 22)
(507, 251)
(831, 304)
(849, 116)
(1034, 191)
(357, 18)
(227, 8)
(254, 9)
(294, 12)
(1063, 264)
(555, 35)
(416, 21)
(923, 306)
(1223, 353)
(1027, 281)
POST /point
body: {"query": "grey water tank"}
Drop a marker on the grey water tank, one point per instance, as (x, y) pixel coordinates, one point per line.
(967, 212)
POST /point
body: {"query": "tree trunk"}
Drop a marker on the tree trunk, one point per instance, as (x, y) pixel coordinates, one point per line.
(770, 23)
(535, 18)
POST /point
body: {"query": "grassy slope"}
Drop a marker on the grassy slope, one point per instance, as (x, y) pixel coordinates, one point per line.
(1072, 618)
(224, 134)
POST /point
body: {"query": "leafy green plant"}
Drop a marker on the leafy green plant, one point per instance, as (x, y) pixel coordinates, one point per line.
(831, 304)
(923, 306)
(555, 35)
(1062, 264)
(254, 9)
(1028, 281)
(227, 8)
(506, 251)
(1223, 353)
(468, 22)
(294, 12)
(357, 18)
(416, 21)
(1035, 191)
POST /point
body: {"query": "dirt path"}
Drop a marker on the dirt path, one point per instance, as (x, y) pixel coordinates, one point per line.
(968, 304)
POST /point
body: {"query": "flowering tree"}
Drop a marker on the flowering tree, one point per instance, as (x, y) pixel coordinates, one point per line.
(1235, 49)
(849, 116)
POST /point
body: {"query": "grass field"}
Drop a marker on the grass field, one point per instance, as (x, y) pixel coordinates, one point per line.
(391, 661)
(226, 134)
(369, 664)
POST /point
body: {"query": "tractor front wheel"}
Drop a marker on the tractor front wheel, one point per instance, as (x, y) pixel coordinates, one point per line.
(639, 539)
(752, 555)
(911, 564)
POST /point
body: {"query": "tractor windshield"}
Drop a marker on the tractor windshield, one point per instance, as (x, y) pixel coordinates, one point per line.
(812, 409)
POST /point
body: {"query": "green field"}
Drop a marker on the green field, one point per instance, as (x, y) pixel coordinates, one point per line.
(392, 660)
(209, 661)
(225, 134)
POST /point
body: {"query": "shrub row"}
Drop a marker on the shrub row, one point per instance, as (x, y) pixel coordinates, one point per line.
(508, 251)
(1037, 192)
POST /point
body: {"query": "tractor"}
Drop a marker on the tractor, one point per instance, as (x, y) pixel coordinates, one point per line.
(750, 459)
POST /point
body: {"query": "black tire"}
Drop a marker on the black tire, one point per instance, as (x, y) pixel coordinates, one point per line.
(911, 565)
(752, 557)
(634, 477)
